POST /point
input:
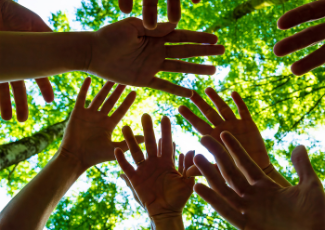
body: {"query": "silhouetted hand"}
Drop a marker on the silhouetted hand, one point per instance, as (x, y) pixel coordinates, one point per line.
(14, 17)
(263, 204)
(89, 131)
(160, 188)
(149, 11)
(243, 129)
(310, 36)
(126, 53)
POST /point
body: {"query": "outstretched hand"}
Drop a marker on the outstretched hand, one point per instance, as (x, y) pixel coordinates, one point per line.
(126, 53)
(89, 131)
(149, 11)
(263, 204)
(14, 17)
(243, 129)
(160, 188)
(310, 36)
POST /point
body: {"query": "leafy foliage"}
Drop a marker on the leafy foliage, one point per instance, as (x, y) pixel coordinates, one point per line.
(277, 99)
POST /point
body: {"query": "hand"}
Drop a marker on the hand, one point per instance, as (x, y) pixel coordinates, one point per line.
(181, 165)
(243, 129)
(14, 17)
(149, 11)
(127, 53)
(161, 189)
(310, 36)
(264, 204)
(89, 131)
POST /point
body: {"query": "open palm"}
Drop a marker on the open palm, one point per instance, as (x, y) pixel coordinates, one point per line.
(15, 17)
(159, 186)
(243, 129)
(127, 53)
(88, 134)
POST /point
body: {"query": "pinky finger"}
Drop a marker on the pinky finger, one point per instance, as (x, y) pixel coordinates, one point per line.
(163, 85)
(125, 165)
(220, 205)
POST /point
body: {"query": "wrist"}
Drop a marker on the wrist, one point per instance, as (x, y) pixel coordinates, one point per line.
(167, 221)
(78, 51)
(71, 161)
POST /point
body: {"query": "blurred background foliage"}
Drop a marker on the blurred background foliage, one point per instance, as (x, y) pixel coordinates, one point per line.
(278, 101)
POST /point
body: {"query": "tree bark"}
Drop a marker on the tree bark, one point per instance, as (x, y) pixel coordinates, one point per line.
(15, 152)
(242, 10)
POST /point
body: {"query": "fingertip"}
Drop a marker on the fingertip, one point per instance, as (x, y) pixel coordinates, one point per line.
(198, 188)
(196, 1)
(206, 139)
(209, 90)
(211, 70)
(182, 109)
(297, 69)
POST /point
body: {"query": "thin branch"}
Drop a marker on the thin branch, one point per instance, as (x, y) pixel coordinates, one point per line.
(11, 172)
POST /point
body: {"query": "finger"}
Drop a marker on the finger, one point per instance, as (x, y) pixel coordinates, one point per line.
(124, 107)
(302, 165)
(206, 109)
(310, 62)
(181, 163)
(187, 51)
(20, 96)
(81, 98)
(5, 102)
(215, 180)
(300, 40)
(46, 89)
(113, 98)
(229, 171)
(241, 106)
(196, 1)
(159, 147)
(133, 145)
(244, 162)
(177, 66)
(124, 164)
(199, 124)
(149, 135)
(164, 85)
(101, 95)
(191, 36)
(222, 106)
(174, 151)
(123, 145)
(166, 142)
(305, 13)
(188, 162)
(174, 11)
(125, 6)
(149, 14)
(194, 171)
(221, 206)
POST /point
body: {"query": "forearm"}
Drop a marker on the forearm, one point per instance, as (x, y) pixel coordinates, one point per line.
(34, 55)
(276, 176)
(33, 205)
(167, 223)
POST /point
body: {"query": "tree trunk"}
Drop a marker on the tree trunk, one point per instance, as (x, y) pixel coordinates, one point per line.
(241, 10)
(15, 152)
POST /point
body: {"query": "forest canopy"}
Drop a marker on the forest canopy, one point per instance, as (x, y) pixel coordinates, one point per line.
(278, 100)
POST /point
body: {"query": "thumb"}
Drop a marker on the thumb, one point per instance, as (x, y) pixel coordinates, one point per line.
(302, 164)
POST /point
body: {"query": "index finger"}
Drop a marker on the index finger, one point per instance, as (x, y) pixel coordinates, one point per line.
(191, 36)
(305, 13)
